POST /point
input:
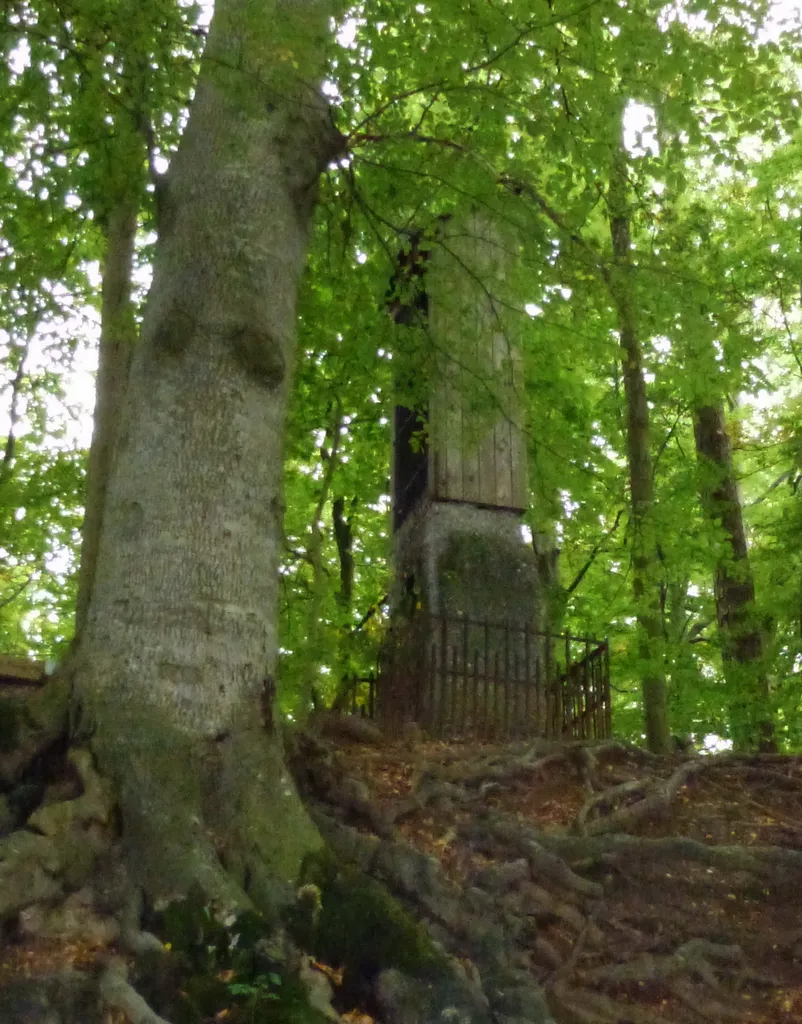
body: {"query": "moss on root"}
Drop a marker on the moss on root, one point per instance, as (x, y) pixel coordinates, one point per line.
(359, 926)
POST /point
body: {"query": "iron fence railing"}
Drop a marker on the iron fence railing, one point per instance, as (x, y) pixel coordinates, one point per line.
(463, 678)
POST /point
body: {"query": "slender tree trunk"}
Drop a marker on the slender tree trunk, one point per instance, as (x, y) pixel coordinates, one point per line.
(314, 652)
(176, 657)
(742, 639)
(14, 412)
(121, 170)
(117, 338)
(644, 548)
(344, 537)
(552, 598)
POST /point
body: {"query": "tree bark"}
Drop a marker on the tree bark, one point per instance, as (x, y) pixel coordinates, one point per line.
(344, 537)
(116, 346)
(116, 198)
(742, 639)
(646, 582)
(175, 662)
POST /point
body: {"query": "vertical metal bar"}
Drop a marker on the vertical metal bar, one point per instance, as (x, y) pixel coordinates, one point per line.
(550, 696)
(464, 688)
(600, 684)
(496, 675)
(417, 659)
(527, 678)
(506, 679)
(486, 724)
(454, 687)
(421, 652)
(597, 678)
(431, 686)
(475, 701)
(587, 732)
(517, 722)
(441, 695)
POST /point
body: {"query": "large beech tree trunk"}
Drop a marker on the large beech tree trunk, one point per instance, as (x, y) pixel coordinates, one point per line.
(646, 582)
(175, 660)
(742, 638)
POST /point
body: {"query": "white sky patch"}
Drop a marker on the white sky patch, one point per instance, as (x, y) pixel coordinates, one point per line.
(346, 33)
(206, 8)
(640, 130)
(662, 345)
(569, 505)
(20, 57)
(713, 744)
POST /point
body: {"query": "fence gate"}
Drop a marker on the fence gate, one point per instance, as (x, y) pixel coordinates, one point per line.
(463, 678)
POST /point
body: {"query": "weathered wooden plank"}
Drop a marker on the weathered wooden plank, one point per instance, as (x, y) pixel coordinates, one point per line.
(21, 671)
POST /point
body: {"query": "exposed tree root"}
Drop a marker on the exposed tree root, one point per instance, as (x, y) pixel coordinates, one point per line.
(118, 994)
(580, 1006)
(774, 863)
(528, 920)
(654, 804)
(535, 905)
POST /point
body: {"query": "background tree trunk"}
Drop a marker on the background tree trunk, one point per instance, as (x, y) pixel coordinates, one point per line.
(176, 658)
(741, 636)
(117, 339)
(122, 174)
(344, 537)
(644, 549)
(315, 647)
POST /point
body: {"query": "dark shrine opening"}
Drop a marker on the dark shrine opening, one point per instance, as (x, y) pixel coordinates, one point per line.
(410, 461)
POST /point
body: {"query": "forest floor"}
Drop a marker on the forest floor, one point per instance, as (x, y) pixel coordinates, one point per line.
(628, 888)
(683, 895)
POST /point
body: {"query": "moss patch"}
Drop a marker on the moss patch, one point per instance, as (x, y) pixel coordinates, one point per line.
(359, 926)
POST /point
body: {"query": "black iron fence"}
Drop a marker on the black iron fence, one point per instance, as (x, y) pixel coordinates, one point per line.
(463, 678)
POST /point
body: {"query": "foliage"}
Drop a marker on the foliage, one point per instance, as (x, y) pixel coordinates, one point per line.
(517, 109)
(237, 969)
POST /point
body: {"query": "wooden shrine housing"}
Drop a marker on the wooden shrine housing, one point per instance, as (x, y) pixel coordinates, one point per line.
(468, 446)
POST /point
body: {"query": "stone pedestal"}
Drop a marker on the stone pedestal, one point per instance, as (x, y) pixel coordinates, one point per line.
(460, 560)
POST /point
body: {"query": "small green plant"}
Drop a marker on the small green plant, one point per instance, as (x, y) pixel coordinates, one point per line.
(263, 988)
